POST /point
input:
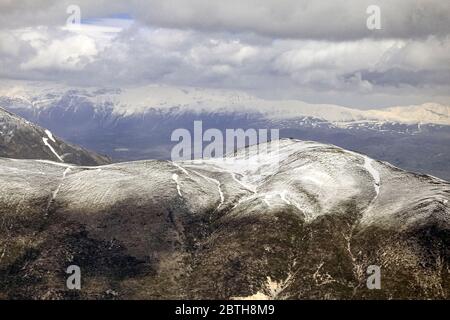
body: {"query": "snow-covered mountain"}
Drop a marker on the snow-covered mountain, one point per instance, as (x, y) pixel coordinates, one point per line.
(21, 139)
(304, 226)
(138, 100)
(137, 122)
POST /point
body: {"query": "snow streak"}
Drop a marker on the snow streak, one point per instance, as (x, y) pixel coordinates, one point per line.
(175, 178)
(375, 174)
(50, 136)
(222, 198)
(55, 193)
(181, 168)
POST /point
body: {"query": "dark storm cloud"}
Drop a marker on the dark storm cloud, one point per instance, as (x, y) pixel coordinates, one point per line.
(302, 19)
(400, 77)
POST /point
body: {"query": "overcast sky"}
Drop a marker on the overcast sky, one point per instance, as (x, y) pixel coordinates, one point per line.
(312, 50)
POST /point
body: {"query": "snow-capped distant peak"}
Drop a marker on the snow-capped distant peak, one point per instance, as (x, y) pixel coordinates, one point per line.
(425, 113)
(139, 99)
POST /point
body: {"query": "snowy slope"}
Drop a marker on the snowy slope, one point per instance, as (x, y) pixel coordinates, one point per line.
(316, 179)
(301, 221)
(309, 178)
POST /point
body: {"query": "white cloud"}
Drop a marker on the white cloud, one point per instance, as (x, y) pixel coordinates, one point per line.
(73, 52)
(433, 53)
(345, 56)
(319, 51)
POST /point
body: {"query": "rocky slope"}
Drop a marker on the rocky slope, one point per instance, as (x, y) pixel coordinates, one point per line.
(302, 221)
(24, 140)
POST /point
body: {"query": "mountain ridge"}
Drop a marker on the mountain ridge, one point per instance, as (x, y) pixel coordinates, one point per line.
(137, 100)
(20, 139)
(305, 228)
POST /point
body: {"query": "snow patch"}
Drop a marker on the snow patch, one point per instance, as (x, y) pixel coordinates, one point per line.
(181, 168)
(375, 174)
(283, 197)
(266, 200)
(273, 289)
(368, 166)
(50, 135)
(244, 185)
(175, 178)
(222, 197)
(51, 149)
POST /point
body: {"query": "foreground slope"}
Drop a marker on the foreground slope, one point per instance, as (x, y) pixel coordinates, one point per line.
(303, 221)
(22, 139)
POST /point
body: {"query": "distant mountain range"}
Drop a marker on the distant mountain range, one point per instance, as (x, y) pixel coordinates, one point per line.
(139, 100)
(136, 123)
